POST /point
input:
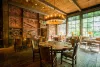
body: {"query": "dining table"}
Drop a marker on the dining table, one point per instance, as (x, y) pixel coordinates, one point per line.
(91, 41)
(58, 47)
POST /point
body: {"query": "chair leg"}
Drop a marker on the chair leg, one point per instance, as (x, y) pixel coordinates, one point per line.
(33, 57)
(61, 56)
(72, 63)
(75, 60)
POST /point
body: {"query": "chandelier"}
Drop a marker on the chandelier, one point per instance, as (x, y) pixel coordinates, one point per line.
(54, 18)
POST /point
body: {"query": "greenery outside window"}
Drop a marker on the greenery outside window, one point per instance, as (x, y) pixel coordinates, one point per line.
(91, 23)
(74, 26)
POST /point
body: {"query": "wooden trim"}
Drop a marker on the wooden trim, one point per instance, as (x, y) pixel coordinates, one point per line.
(81, 24)
(86, 10)
(38, 23)
(66, 26)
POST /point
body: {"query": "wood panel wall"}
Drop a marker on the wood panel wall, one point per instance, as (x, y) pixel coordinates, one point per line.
(22, 23)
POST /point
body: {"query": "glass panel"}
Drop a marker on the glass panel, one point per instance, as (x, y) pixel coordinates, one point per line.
(96, 23)
(77, 21)
(90, 14)
(90, 29)
(73, 22)
(77, 29)
(85, 15)
(97, 18)
(85, 20)
(96, 33)
(84, 24)
(77, 24)
(62, 29)
(69, 23)
(69, 27)
(74, 18)
(90, 19)
(97, 13)
(73, 26)
(84, 29)
(69, 19)
(77, 17)
(90, 25)
(96, 28)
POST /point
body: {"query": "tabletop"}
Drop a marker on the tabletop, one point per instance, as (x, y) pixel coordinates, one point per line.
(57, 45)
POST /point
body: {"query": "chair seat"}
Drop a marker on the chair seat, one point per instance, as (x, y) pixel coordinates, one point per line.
(68, 54)
(36, 50)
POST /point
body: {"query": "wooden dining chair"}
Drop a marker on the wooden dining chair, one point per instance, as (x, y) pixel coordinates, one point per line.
(72, 41)
(35, 49)
(71, 55)
(47, 57)
(18, 45)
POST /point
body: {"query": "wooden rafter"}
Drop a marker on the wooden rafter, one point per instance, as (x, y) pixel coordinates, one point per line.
(50, 5)
(28, 8)
(75, 3)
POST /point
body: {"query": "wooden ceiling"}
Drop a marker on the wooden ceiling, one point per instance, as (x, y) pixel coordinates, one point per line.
(55, 6)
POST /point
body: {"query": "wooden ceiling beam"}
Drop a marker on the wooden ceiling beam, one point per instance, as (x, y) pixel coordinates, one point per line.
(26, 7)
(76, 4)
(52, 6)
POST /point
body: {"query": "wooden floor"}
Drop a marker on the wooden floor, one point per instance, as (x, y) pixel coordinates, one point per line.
(85, 58)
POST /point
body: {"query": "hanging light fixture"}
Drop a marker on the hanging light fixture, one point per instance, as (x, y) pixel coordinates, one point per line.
(54, 18)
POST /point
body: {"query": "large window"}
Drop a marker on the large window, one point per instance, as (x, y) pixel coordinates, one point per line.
(91, 23)
(62, 28)
(74, 25)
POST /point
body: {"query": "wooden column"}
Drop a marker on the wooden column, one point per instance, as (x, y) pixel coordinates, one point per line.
(1, 25)
(56, 30)
(5, 23)
(66, 25)
(81, 24)
(39, 30)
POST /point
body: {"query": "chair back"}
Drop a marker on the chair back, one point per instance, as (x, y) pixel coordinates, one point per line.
(32, 42)
(72, 41)
(75, 49)
(28, 41)
(35, 43)
(45, 53)
(18, 42)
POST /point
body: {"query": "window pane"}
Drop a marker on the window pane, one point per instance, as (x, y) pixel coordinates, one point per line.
(74, 26)
(85, 15)
(62, 29)
(90, 25)
(97, 13)
(97, 29)
(90, 14)
(69, 23)
(90, 19)
(73, 22)
(96, 23)
(84, 24)
(84, 29)
(97, 18)
(90, 29)
(85, 20)
(96, 33)
(77, 17)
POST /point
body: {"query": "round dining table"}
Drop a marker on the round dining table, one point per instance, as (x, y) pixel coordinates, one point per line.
(58, 47)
